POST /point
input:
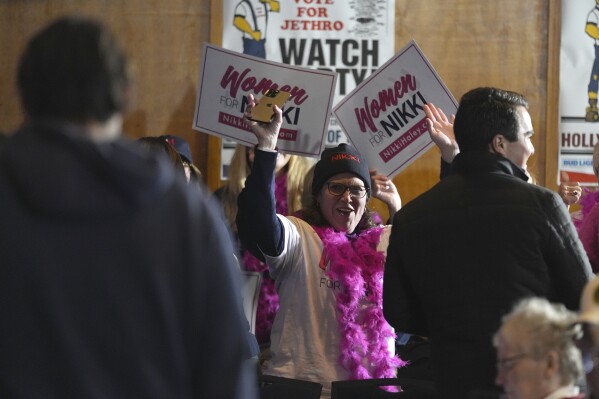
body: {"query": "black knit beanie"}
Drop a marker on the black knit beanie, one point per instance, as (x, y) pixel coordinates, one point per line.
(340, 159)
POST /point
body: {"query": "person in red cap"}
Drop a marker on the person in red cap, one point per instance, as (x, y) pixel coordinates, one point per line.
(192, 173)
(327, 264)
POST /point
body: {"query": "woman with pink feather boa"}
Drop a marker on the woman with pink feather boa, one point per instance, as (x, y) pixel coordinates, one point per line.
(327, 264)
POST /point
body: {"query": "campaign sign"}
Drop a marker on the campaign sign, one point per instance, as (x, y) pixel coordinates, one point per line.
(228, 77)
(383, 117)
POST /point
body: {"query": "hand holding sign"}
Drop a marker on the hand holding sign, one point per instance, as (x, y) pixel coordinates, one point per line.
(384, 116)
(569, 191)
(441, 131)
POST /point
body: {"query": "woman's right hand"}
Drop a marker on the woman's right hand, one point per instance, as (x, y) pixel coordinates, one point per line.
(266, 133)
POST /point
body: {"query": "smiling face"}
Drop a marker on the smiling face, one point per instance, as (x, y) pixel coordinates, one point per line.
(343, 212)
(520, 150)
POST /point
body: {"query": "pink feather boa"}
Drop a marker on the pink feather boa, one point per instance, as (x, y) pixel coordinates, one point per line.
(587, 202)
(364, 332)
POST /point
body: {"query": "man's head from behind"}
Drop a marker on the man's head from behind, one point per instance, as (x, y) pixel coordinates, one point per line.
(495, 120)
(73, 70)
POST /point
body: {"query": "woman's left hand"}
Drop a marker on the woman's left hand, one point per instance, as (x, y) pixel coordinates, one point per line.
(384, 189)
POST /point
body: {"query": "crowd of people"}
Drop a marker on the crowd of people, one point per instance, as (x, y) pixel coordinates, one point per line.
(119, 274)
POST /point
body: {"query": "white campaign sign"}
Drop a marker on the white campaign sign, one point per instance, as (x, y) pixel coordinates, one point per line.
(226, 79)
(383, 117)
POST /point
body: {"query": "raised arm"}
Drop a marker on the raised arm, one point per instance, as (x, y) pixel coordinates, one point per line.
(258, 226)
(441, 131)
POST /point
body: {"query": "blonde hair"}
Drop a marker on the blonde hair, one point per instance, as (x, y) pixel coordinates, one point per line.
(546, 326)
(297, 168)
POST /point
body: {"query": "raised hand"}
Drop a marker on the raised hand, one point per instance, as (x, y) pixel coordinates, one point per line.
(441, 131)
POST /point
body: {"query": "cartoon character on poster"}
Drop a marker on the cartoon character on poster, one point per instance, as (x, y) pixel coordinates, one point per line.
(592, 29)
(251, 18)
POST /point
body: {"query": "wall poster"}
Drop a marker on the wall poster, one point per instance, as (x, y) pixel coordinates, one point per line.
(579, 87)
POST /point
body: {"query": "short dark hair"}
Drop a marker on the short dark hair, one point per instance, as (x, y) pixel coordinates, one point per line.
(485, 112)
(74, 70)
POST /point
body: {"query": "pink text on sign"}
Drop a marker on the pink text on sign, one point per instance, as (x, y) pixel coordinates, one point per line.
(236, 121)
(233, 120)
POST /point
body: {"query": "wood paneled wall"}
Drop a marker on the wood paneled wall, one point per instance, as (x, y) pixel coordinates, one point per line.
(163, 39)
(511, 44)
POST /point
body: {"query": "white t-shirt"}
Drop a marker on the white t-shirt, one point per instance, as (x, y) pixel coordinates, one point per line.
(305, 333)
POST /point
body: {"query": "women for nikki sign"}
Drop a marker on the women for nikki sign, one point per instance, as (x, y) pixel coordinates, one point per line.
(228, 77)
(383, 117)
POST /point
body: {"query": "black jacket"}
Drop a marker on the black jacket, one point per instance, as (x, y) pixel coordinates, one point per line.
(464, 252)
(116, 279)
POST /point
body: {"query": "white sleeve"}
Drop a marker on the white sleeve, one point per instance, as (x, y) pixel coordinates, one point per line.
(593, 18)
(292, 248)
(241, 9)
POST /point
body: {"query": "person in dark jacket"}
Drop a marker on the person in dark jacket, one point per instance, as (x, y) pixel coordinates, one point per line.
(464, 252)
(116, 279)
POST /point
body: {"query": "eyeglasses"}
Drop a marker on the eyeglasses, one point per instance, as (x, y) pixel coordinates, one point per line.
(338, 189)
(507, 363)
